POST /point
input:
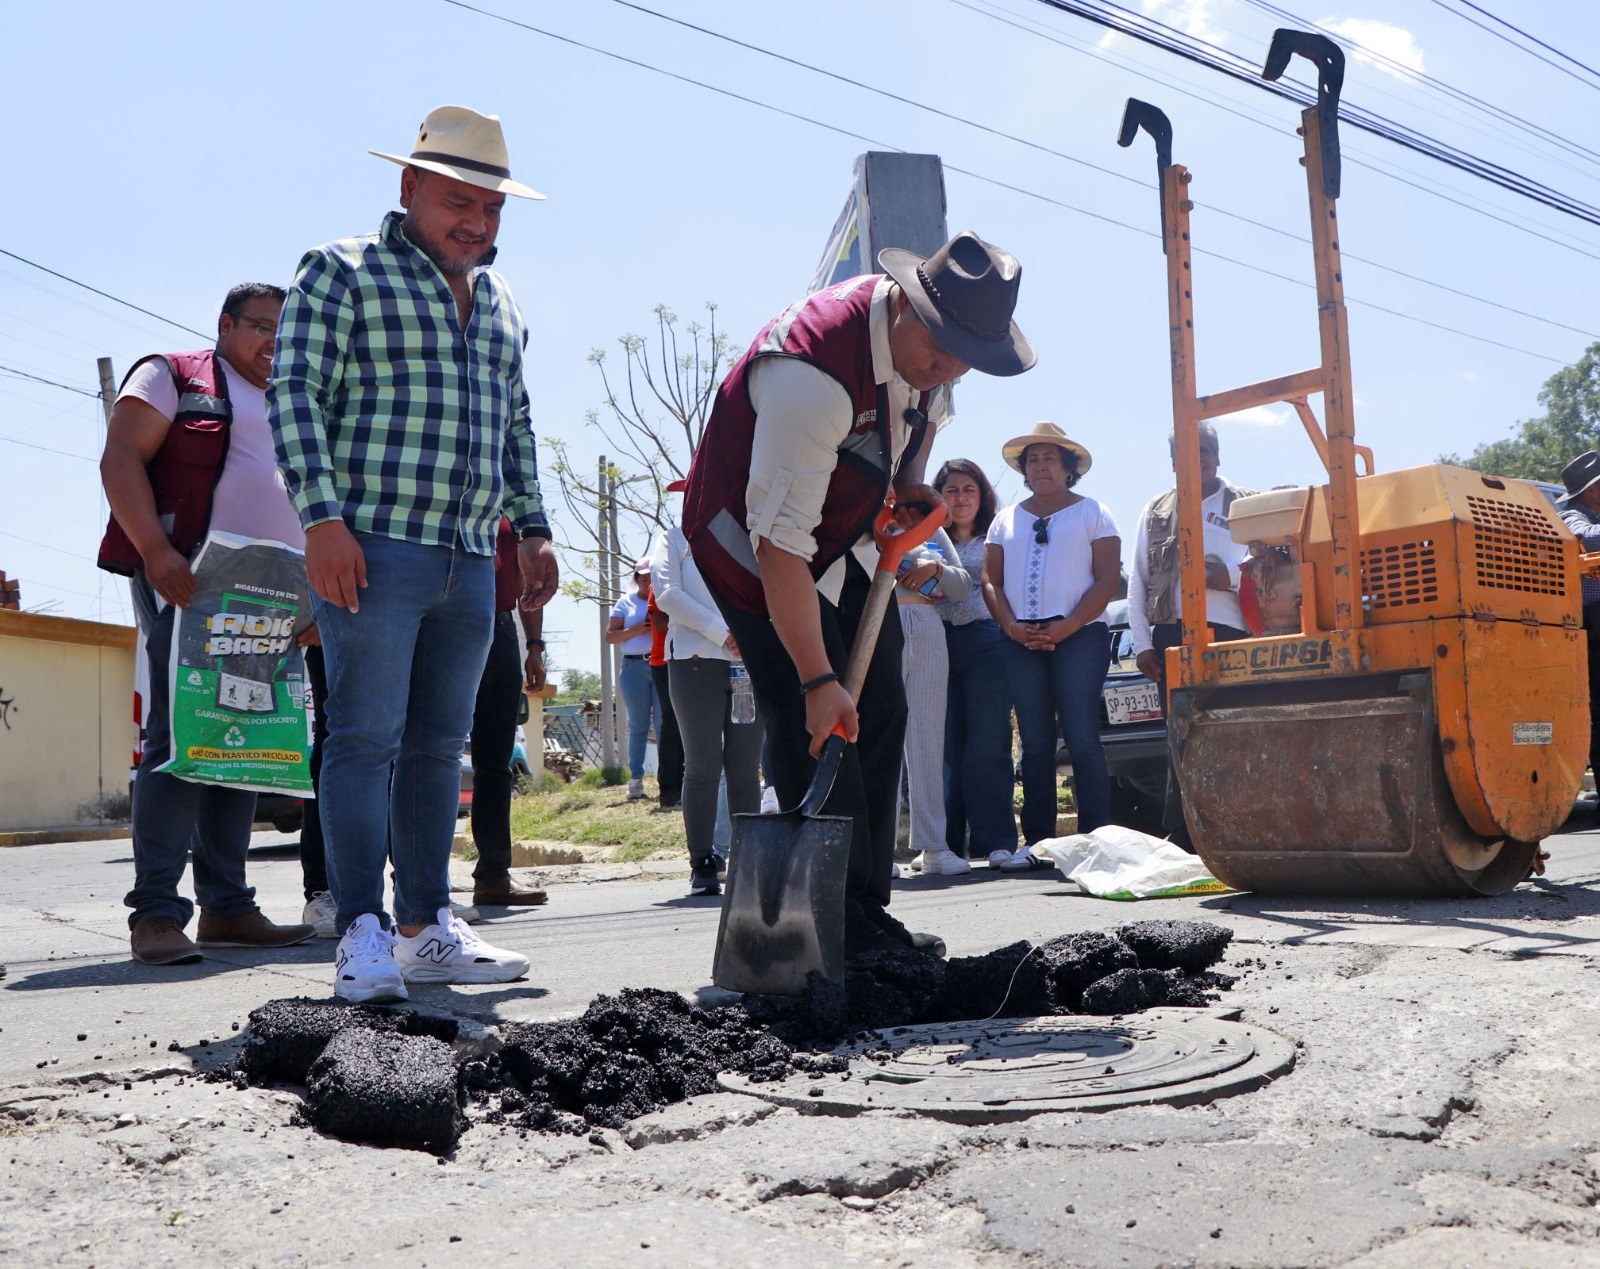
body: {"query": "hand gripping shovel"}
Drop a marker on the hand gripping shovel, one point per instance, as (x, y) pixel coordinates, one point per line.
(784, 911)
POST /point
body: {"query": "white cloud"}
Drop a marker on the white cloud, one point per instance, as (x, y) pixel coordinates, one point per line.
(1260, 416)
(1192, 18)
(1392, 42)
(1471, 376)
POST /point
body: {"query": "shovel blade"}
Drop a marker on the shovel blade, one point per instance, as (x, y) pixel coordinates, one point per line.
(783, 914)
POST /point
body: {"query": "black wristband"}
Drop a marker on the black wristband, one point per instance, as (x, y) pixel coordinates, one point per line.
(525, 534)
(812, 684)
(534, 643)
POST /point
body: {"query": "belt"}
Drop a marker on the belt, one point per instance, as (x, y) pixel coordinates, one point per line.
(635, 656)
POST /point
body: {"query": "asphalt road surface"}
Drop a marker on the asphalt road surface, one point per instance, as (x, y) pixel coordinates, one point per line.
(1441, 1110)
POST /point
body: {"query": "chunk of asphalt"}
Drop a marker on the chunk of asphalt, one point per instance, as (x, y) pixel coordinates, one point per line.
(628, 1055)
(382, 1088)
(286, 1036)
(1191, 946)
(1075, 961)
(1130, 990)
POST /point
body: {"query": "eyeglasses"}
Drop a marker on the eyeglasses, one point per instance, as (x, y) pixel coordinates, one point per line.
(267, 330)
(1041, 530)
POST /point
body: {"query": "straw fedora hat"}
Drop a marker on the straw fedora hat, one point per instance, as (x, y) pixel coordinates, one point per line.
(1047, 433)
(965, 293)
(460, 143)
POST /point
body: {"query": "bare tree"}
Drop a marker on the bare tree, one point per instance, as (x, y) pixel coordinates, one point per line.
(651, 422)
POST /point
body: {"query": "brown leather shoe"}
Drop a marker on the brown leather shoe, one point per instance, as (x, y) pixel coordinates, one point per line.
(160, 940)
(507, 893)
(250, 930)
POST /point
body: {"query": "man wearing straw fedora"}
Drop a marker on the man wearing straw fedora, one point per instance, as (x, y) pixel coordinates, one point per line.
(402, 428)
(1582, 478)
(825, 413)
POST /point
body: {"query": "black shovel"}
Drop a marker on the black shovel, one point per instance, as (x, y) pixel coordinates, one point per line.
(783, 915)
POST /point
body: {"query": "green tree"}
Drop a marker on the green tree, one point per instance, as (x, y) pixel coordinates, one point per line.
(1540, 447)
(577, 686)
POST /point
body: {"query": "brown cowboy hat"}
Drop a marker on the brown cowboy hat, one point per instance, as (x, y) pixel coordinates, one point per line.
(1044, 434)
(965, 293)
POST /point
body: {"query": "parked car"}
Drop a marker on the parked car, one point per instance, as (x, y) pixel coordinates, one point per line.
(1133, 729)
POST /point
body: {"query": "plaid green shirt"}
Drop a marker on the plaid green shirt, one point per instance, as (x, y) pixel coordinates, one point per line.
(385, 413)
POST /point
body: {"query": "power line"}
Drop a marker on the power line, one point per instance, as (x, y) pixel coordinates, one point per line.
(1071, 158)
(1351, 153)
(65, 387)
(44, 449)
(103, 294)
(1500, 35)
(724, 92)
(1212, 56)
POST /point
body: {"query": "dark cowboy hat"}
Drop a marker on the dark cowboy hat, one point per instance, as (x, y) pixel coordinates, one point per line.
(965, 293)
(1579, 474)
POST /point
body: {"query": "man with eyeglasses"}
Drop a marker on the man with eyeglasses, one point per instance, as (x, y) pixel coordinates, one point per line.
(188, 450)
(835, 403)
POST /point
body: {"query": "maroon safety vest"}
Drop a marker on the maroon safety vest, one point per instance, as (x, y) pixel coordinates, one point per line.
(828, 330)
(185, 470)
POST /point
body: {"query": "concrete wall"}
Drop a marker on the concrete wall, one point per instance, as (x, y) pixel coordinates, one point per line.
(66, 721)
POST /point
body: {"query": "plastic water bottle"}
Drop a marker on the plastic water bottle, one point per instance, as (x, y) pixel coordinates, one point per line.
(744, 697)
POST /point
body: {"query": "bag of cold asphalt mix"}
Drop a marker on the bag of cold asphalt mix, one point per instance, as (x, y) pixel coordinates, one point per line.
(240, 714)
(1114, 862)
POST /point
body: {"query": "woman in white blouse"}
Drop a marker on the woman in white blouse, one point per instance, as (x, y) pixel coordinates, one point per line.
(1051, 564)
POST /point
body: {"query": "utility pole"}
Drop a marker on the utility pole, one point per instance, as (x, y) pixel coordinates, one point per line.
(108, 387)
(608, 736)
(617, 584)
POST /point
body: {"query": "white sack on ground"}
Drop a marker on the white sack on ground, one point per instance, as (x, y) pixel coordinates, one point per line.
(1121, 863)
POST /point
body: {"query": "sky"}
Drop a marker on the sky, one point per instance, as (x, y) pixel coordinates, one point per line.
(162, 153)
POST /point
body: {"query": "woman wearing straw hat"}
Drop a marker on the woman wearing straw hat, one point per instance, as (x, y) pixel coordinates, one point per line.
(1051, 564)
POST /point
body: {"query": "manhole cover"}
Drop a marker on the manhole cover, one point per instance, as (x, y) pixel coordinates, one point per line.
(1010, 1068)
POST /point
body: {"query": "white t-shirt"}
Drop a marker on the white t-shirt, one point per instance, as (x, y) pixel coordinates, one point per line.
(1048, 579)
(250, 498)
(633, 608)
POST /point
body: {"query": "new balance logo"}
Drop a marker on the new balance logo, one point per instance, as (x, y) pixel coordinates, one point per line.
(435, 951)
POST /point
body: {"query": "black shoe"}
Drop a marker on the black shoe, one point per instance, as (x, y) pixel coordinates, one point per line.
(930, 943)
(722, 863)
(863, 935)
(703, 877)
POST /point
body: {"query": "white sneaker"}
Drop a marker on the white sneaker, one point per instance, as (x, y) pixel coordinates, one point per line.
(940, 863)
(449, 952)
(769, 801)
(465, 912)
(320, 914)
(999, 858)
(364, 965)
(635, 790)
(894, 872)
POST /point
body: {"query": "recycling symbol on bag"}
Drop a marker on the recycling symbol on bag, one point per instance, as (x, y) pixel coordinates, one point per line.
(195, 680)
(234, 739)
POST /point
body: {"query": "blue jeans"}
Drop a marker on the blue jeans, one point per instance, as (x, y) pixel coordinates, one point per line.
(170, 815)
(1057, 694)
(403, 678)
(978, 781)
(639, 695)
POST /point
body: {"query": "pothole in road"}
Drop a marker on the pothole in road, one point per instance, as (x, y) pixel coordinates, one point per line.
(1008, 1069)
(903, 1019)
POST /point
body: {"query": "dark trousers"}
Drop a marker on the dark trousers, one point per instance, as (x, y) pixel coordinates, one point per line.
(669, 744)
(869, 776)
(171, 816)
(1591, 627)
(494, 737)
(978, 779)
(1164, 635)
(313, 857)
